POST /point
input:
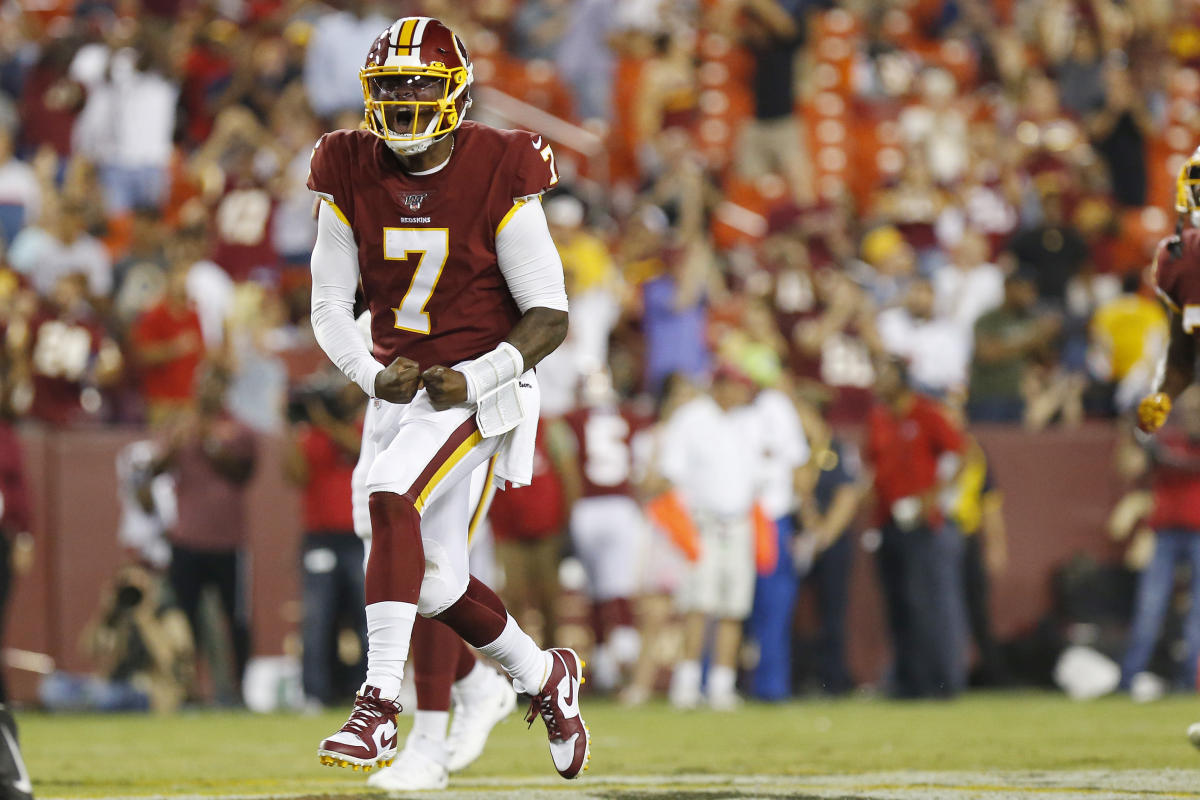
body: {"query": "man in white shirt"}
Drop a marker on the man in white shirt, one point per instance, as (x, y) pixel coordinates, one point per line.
(712, 454)
(786, 451)
(937, 350)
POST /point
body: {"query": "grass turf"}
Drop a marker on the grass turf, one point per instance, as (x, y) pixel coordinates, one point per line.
(211, 753)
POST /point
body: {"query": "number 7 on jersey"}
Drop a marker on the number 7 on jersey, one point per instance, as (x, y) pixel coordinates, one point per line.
(430, 247)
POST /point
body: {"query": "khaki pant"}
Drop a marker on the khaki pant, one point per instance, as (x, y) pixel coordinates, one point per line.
(531, 580)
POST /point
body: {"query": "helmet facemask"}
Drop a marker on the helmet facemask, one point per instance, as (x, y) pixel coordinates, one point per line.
(410, 108)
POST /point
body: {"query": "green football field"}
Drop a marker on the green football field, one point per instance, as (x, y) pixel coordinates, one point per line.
(983, 746)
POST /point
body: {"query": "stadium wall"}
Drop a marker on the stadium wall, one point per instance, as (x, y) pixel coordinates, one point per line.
(1058, 486)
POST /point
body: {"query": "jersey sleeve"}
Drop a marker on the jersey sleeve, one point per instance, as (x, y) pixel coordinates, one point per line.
(1166, 274)
(328, 170)
(533, 168)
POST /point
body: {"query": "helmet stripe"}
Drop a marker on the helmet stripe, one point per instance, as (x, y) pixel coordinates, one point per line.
(404, 40)
(419, 32)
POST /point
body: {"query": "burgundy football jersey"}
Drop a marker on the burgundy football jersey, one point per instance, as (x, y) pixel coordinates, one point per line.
(427, 243)
(605, 437)
(62, 352)
(1177, 278)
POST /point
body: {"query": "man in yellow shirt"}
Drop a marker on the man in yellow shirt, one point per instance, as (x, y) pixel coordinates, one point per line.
(1127, 337)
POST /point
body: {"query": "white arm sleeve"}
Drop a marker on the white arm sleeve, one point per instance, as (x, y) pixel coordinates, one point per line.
(334, 280)
(529, 260)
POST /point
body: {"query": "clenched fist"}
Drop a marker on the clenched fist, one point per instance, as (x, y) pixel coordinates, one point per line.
(446, 387)
(398, 381)
(1153, 411)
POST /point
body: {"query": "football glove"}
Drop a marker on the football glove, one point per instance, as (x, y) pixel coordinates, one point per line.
(1153, 411)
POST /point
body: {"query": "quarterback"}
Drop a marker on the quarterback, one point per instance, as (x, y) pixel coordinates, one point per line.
(440, 222)
(1177, 280)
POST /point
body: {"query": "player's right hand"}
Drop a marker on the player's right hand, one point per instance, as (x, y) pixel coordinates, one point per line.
(399, 381)
(1153, 411)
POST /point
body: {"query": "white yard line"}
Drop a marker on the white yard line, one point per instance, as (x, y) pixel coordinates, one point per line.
(1064, 785)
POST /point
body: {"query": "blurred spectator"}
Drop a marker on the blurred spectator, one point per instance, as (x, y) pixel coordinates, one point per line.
(710, 456)
(528, 525)
(584, 59)
(128, 121)
(937, 126)
(1081, 74)
(606, 523)
(169, 346)
(890, 261)
(1052, 252)
(772, 141)
(1172, 460)
(1006, 342)
(322, 449)
(64, 358)
(336, 51)
(836, 340)
(916, 452)
(969, 285)
(937, 350)
(785, 452)
(138, 274)
(140, 649)
(20, 191)
(674, 316)
(1119, 130)
(1128, 337)
(538, 29)
(148, 506)
(16, 522)
(50, 99)
(255, 337)
(978, 514)
(60, 245)
(212, 457)
(823, 552)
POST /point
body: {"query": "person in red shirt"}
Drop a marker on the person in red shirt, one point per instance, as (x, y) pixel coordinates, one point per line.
(321, 454)
(1173, 461)
(169, 345)
(528, 524)
(212, 458)
(914, 451)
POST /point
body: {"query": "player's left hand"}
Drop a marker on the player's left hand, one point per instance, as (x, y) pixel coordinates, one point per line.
(446, 387)
(1153, 411)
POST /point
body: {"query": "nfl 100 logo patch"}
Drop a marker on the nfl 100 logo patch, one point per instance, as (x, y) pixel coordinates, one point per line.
(413, 200)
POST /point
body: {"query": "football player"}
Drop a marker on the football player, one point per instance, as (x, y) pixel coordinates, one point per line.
(445, 669)
(1176, 273)
(440, 220)
(607, 527)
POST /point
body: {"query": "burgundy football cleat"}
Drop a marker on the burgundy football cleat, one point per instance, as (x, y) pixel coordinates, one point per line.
(558, 706)
(368, 738)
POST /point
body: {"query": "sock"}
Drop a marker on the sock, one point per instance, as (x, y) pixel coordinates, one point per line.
(428, 734)
(525, 662)
(467, 662)
(389, 630)
(430, 725)
(685, 679)
(479, 616)
(397, 562)
(625, 643)
(434, 655)
(476, 678)
(721, 681)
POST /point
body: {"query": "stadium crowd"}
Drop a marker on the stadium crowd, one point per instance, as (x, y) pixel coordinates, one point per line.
(877, 214)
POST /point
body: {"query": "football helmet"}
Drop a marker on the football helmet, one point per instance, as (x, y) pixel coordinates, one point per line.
(1187, 188)
(416, 84)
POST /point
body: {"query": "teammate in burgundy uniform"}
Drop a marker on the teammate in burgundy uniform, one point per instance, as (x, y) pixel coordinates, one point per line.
(1177, 281)
(440, 221)
(607, 524)
(445, 669)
